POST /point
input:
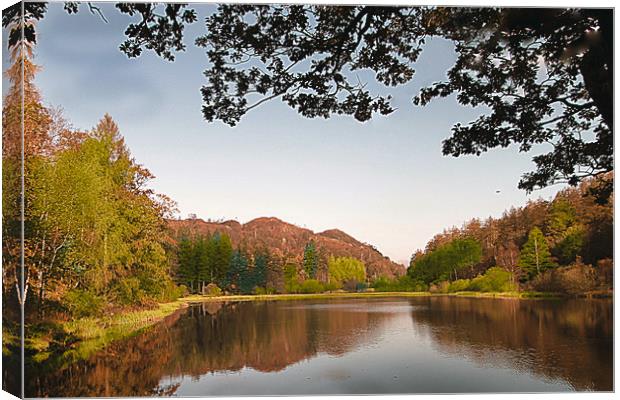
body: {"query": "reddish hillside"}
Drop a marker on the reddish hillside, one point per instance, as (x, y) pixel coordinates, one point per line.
(284, 239)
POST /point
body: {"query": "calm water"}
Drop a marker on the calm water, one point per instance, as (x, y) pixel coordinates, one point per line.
(416, 345)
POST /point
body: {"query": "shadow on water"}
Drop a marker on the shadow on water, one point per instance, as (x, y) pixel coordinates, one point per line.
(568, 340)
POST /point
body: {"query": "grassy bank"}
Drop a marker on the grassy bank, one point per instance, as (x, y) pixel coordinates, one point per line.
(78, 339)
(338, 295)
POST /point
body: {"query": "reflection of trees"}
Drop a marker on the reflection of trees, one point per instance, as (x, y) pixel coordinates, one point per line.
(264, 336)
(569, 340)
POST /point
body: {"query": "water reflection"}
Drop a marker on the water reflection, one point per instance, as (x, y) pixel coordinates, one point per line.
(356, 346)
(555, 339)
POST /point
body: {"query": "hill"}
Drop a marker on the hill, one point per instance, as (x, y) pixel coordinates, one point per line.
(288, 240)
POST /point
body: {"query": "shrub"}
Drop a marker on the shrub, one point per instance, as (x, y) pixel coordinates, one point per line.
(331, 286)
(183, 290)
(291, 280)
(128, 292)
(311, 286)
(439, 287)
(212, 290)
(495, 279)
(404, 283)
(459, 285)
(171, 292)
(83, 303)
(575, 279)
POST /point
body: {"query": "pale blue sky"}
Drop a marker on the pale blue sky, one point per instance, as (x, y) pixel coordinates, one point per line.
(385, 181)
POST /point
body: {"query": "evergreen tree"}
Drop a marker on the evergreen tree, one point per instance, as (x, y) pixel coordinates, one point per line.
(201, 260)
(261, 263)
(186, 259)
(535, 256)
(237, 275)
(311, 260)
(222, 255)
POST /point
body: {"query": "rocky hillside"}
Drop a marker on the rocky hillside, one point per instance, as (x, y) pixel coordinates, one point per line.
(287, 240)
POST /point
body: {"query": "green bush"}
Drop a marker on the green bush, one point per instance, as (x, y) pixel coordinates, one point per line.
(345, 270)
(311, 286)
(212, 290)
(83, 303)
(495, 279)
(401, 284)
(459, 285)
(128, 291)
(291, 280)
(331, 286)
(171, 292)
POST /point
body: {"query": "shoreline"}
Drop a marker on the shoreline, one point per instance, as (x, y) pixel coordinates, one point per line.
(95, 333)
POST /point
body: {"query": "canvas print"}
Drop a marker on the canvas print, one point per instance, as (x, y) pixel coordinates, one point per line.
(214, 199)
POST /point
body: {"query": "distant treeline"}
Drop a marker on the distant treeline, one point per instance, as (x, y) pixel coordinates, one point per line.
(209, 264)
(563, 245)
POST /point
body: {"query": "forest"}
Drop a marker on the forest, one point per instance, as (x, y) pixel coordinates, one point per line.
(564, 245)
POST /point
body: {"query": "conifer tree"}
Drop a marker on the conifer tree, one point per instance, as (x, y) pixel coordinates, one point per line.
(311, 260)
(535, 256)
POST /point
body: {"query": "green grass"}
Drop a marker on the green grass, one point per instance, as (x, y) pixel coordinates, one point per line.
(89, 335)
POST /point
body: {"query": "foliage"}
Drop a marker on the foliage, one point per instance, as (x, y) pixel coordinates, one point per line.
(212, 290)
(446, 260)
(311, 286)
(203, 259)
(291, 279)
(535, 256)
(82, 303)
(401, 284)
(459, 285)
(311, 260)
(159, 29)
(575, 279)
(496, 279)
(309, 57)
(571, 245)
(346, 269)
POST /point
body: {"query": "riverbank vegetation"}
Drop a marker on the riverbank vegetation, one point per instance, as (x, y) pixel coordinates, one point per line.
(563, 246)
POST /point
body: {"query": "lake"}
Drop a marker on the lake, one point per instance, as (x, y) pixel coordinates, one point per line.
(371, 345)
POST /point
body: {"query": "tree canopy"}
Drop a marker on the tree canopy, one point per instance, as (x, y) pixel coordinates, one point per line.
(542, 77)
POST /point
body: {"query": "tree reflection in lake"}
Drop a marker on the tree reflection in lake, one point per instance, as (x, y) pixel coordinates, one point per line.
(435, 344)
(555, 339)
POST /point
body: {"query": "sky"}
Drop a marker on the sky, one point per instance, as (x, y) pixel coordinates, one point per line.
(385, 182)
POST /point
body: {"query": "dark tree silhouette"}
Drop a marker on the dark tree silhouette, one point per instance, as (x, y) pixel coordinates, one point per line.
(160, 28)
(542, 76)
